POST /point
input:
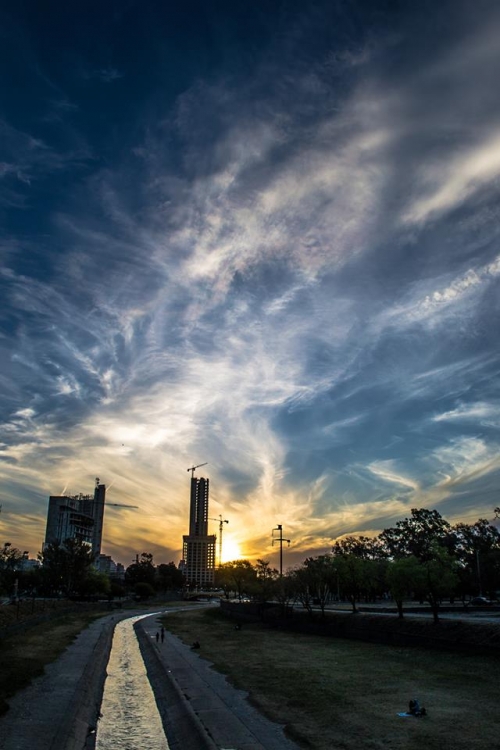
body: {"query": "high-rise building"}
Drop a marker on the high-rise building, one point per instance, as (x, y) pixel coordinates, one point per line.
(77, 517)
(199, 545)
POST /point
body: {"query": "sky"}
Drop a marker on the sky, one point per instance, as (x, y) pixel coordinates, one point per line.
(260, 236)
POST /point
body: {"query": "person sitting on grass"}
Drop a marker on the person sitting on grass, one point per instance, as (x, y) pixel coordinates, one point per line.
(415, 710)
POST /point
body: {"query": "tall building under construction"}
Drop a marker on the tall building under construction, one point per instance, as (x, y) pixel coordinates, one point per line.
(77, 517)
(198, 545)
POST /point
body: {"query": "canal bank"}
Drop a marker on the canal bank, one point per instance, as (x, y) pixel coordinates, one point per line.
(201, 710)
(59, 710)
(198, 708)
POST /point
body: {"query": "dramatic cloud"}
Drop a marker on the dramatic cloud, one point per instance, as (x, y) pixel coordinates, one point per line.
(276, 253)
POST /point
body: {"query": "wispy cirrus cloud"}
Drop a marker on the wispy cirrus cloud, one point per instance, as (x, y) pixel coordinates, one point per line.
(264, 278)
(485, 413)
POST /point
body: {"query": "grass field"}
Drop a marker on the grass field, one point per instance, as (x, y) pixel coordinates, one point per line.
(335, 694)
(23, 656)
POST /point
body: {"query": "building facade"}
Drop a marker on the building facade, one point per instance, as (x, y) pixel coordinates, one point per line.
(199, 546)
(77, 517)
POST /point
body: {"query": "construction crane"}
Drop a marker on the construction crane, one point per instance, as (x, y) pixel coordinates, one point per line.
(192, 468)
(221, 521)
(114, 505)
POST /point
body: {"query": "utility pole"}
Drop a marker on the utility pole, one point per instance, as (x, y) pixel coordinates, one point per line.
(280, 540)
(479, 574)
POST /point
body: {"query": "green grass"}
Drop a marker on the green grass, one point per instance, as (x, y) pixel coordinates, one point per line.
(333, 693)
(23, 656)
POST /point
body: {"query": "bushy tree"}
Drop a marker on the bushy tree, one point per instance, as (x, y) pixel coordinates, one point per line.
(477, 548)
(355, 562)
(262, 586)
(143, 590)
(238, 576)
(403, 577)
(142, 571)
(439, 577)
(416, 536)
(284, 591)
(303, 587)
(321, 575)
(66, 567)
(169, 577)
(10, 559)
(354, 576)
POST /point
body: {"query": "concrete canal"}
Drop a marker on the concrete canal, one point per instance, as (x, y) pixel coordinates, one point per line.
(129, 716)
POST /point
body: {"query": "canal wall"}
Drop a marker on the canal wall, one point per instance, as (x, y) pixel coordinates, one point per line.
(77, 730)
(181, 725)
(60, 708)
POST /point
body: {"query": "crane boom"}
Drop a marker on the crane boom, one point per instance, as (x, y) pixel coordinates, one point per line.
(192, 468)
(120, 505)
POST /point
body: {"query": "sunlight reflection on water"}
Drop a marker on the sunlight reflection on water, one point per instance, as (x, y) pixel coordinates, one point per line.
(130, 718)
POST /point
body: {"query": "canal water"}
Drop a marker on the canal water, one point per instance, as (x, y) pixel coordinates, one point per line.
(130, 718)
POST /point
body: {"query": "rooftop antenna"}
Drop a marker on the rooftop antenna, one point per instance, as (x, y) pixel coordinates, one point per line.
(192, 468)
(280, 540)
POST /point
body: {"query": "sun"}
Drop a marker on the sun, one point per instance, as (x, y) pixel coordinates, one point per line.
(230, 550)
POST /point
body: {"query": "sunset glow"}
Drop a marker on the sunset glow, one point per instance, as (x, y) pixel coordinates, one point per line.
(261, 238)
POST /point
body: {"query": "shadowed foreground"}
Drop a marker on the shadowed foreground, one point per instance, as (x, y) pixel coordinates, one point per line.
(335, 693)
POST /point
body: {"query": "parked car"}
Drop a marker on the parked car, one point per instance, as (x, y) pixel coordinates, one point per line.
(480, 601)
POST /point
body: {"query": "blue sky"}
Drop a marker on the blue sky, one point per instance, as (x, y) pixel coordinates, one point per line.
(263, 236)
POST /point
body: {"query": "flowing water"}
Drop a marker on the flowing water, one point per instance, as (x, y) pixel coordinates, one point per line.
(130, 718)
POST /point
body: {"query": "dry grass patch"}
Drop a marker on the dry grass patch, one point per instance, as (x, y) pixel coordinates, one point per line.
(345, 695)
(24, 656)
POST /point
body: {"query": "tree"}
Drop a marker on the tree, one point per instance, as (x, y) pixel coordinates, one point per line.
(10, 558)
(439, 577)
(95, 584)
(353, 575)
(416, 535)
(284, 591)
(238, 576)
(321, 575)
(143, 590)
(66, 567)
(403, 577)
(142, 571)
(263, 585)
(116, 590)
(365, 547)
(477, 547)
(169, 577)
(302, 583)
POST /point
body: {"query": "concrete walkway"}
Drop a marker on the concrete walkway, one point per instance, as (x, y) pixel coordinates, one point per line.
(221, 711)
(56, 711)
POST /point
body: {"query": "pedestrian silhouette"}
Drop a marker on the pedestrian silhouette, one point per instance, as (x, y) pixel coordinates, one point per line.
(162, 634)
(157, 636)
